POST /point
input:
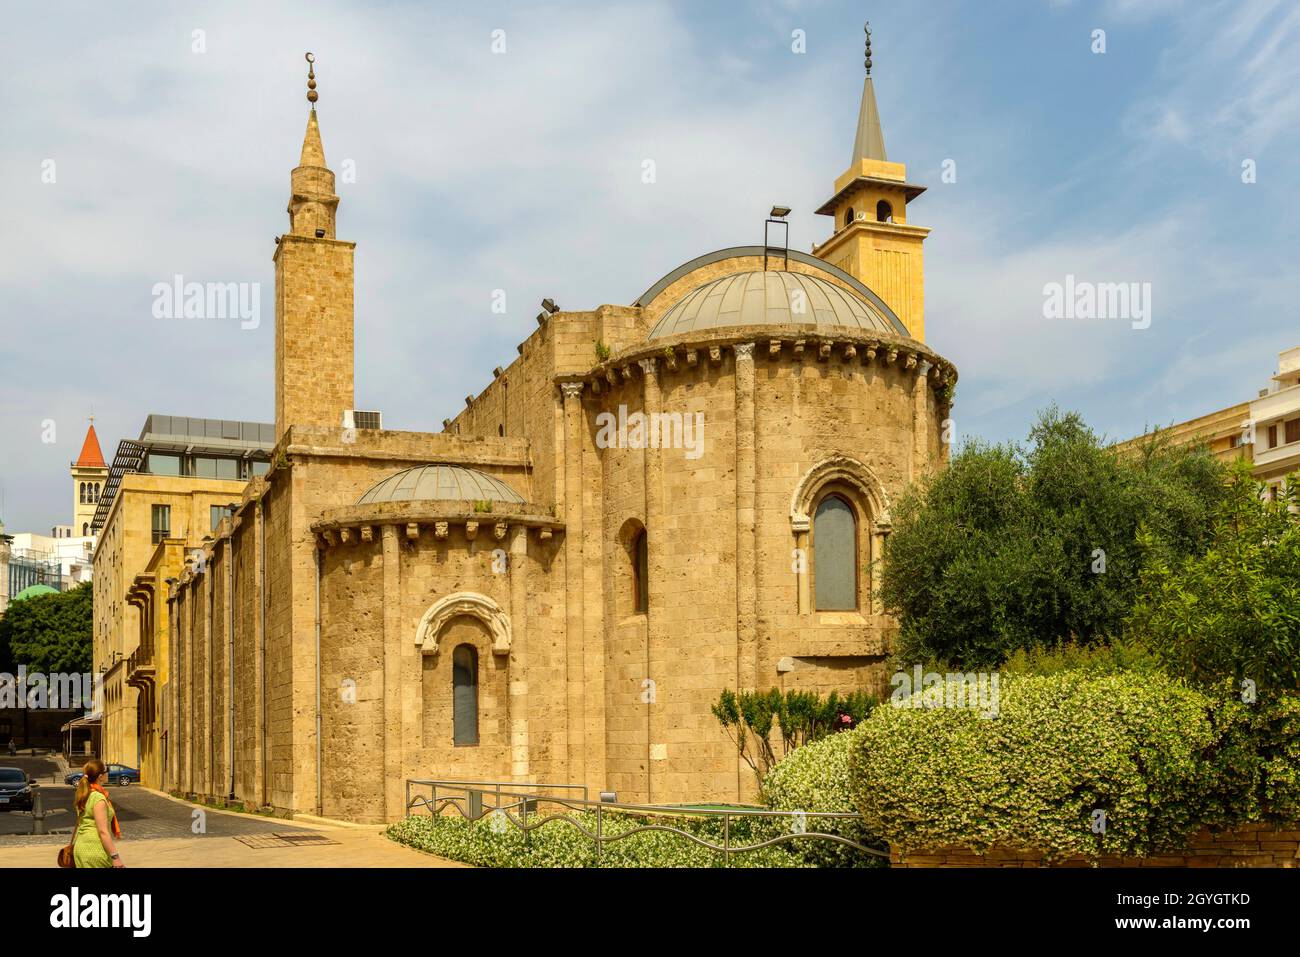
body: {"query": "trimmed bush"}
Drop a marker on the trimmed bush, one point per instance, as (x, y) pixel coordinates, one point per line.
(1158, 759)
(816, 778)
(486, 843)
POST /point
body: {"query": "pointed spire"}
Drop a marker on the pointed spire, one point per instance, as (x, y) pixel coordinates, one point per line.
(869, 144)
(313, 151)
(91, 457)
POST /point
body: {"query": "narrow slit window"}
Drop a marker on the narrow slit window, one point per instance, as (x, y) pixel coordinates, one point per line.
(464, 679)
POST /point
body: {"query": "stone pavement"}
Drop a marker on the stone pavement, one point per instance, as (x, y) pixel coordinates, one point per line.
(157, 833)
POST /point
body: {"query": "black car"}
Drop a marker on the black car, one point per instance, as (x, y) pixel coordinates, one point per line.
(15, 790)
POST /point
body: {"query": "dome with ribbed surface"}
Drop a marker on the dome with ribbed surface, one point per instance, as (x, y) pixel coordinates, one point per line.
(440, 483)
(775, 297)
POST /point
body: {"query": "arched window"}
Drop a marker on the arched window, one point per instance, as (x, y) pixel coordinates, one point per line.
(848, 216)
(884, 212)
(83, 493)
(641, 573)
(835, 555)
(85, 529)
(464, 682)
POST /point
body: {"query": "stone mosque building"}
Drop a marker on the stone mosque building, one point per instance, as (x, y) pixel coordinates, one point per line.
(652, 503)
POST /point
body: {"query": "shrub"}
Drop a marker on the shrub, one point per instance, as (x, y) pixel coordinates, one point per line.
(1233, 611)
(1016, 546)
(816, 778)
(748, 718)
(1150, 754)
(1113, 657)
(488, 843)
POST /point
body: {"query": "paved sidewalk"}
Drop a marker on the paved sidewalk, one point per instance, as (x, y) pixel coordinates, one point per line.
(157, 829)
(356, 847)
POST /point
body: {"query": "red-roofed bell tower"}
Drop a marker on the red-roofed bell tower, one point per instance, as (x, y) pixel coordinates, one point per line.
(89, 473)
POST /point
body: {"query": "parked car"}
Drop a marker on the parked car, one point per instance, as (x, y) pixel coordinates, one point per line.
(15, 790)
(118, 774)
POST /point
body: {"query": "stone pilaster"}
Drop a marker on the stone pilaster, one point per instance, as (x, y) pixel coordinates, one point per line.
(921, 420)
(657, 718)
(394, 780)
(573, 630)
(747, 652)
(517, 699)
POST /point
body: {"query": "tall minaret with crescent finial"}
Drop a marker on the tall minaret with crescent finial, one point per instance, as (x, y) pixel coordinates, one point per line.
(313, 294)
(872, 239)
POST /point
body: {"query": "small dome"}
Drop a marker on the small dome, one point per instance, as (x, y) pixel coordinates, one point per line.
(31, 591)
(773, 298)
(440, 482)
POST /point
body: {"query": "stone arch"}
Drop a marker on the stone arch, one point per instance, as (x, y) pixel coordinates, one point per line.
(473, 604)
(841, 473)
(838, 468)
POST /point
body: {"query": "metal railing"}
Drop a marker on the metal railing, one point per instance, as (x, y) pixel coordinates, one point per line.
(522, 809)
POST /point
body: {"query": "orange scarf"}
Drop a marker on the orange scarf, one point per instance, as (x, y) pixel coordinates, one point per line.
(112, 815)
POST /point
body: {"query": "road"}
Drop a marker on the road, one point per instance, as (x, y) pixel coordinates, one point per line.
(143, 814)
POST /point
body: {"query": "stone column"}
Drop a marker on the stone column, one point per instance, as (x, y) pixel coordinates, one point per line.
(259, 653)
(747, 652)
(803, 584)
(656, 694)
(187, 707)
(517, 701)
(574, 683)
(921, 419)
(394, 781)
(209, 601)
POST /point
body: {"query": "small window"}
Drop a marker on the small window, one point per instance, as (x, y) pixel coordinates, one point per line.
(884, 212)
(218, 512)
(1272, 436)
(162, 522)
(641, 573)
(464, 681)
(85, 529)
(501, 430)
(1293, 431)
(835, 555)
(83, 493)
(848, 216)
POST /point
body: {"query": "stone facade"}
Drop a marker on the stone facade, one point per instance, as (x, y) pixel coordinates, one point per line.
(130, 610)
(329, 643)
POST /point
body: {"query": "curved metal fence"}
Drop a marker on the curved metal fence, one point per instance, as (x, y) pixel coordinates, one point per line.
(474, 800)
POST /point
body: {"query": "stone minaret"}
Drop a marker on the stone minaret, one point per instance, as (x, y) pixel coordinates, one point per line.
(872, 239)
(313, 296)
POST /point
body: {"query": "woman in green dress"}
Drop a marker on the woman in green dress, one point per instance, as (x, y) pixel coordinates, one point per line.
(94, 844)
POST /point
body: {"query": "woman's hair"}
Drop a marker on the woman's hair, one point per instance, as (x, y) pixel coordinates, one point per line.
(90, 773)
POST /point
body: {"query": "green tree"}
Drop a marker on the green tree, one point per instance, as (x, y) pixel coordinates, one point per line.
(1013, 547)
(1232, 611)
(50, 633)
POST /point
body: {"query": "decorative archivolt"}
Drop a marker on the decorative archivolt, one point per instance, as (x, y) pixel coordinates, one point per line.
(463, 603)
(838, 468)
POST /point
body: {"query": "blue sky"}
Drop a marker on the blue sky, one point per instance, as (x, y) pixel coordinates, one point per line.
(521, 171)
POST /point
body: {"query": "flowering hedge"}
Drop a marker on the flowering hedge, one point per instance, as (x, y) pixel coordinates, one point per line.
(816, 778)
(1120, 764)
(493, 843)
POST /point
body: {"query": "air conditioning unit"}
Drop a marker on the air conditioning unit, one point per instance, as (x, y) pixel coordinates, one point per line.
(357, 419)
